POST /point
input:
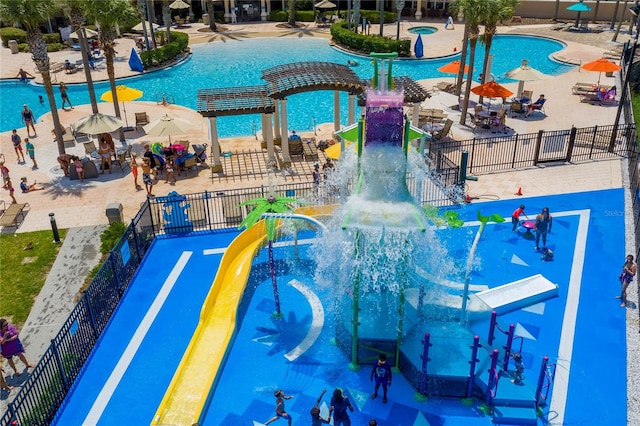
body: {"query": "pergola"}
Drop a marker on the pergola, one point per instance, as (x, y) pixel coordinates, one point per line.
(271, 99)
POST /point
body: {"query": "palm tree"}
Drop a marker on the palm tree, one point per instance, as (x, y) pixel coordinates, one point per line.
(473, 11)
(212, 18)
(76, 15)
(270, 204)
(107, 14)
(30, 15)
(555, 12)
(292, 13)
(166, 17)
(495, 11)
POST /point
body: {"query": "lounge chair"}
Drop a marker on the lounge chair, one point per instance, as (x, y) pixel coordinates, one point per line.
(68, 139)
(90, 149)
(121, 160)
(601, 97)
(538, 105)
(141, 118)
(444, 86)
(517, 108)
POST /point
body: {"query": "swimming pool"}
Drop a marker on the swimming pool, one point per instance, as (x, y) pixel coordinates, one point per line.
(240, 62)
(422, 30)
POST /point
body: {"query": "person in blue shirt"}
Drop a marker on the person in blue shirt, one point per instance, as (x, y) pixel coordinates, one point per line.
(339, 406)
(25, 187)
(382, 373)
(294, 136)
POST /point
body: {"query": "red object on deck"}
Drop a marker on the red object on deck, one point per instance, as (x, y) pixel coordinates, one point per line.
(468, 199)
(519, 191)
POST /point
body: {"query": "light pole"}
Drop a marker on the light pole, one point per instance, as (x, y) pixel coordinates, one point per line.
(399, 7)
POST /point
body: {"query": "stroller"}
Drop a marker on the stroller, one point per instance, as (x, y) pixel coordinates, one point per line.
(200, 151)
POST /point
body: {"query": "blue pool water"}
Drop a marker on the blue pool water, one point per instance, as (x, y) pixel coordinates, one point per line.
(422, 30)
(240, 62)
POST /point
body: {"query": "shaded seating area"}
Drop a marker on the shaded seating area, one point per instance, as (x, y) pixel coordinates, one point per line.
(309, 149)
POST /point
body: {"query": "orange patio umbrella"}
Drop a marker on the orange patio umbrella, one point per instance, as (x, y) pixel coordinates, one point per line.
(453, 68)
(492, 90)
(601, 65)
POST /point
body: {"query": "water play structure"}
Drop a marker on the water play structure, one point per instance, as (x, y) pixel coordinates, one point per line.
(397, 290)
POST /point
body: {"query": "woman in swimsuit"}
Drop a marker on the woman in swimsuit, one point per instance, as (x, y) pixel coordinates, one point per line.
(27, 118)
(77, 163)
(105, 155)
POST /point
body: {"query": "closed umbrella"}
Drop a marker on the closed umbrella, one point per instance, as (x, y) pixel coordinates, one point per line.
(87, 31)
(97, 123)
(167, 126)
(125, 94)
(138, 28)
(525, 73)
(179, 4)
(601, 65)
(579, 7)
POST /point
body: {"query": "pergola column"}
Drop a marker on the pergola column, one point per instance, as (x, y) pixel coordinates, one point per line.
(284, 129)
(419, 10)
(276, 121)
(216, 167)
(263, 10)
(336, 110)
(267, 134)
(352, 109)
(227, 11)
(415, 116)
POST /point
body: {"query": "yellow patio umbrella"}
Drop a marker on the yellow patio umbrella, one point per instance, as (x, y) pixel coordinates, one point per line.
(125, 94)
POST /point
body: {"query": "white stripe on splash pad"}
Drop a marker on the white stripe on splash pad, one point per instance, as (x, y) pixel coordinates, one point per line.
(110, 386)
(567, 336)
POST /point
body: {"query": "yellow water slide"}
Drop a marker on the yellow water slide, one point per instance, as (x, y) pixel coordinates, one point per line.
(187, 393)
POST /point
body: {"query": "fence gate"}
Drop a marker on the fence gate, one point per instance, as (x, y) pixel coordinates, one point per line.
(553, 146)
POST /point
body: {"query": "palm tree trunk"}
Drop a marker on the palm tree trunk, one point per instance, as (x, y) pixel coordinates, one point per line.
(109, 54)
(166, 16)
(463, 61)
(615, 15)
(151, 32)
(488, 39)
(292, 13)
(212, 17)
(615, 35)
(467, 89)
(48, 86)
(82, 39)
(595, 12)
(555, 12)
(142, 11)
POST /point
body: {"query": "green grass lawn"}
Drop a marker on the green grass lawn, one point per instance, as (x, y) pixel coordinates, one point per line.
(25, 262)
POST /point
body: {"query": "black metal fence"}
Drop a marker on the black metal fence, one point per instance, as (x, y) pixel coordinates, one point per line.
(532, 149)
(54, 375)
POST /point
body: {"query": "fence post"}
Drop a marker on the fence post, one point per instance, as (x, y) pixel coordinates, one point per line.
(572, 141)
(515, 151)
(507, 347)
(207, 196)
(541, 376)
(135, 241)
(56, 355)
(625, 89)
(493, 383)
(536, 155)
(593, 140)
(92, 318)
(473, 151)
(422, 394)
(492, 326)
(472, 368)
(153, 225)
(115, 272)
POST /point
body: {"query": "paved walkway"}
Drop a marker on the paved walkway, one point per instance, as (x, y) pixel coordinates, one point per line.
(81, 207)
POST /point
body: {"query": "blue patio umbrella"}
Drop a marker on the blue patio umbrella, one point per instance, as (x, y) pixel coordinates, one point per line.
(579, 7)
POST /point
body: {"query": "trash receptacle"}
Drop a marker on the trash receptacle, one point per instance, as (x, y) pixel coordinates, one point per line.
(114, 213)
(205, 19)
(13, 46)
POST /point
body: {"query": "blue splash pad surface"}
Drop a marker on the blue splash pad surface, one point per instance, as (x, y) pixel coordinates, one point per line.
(595, 395)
